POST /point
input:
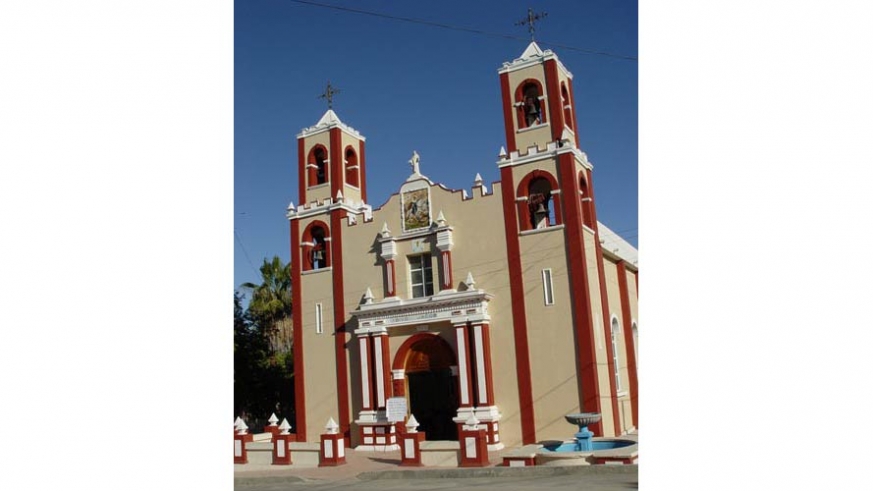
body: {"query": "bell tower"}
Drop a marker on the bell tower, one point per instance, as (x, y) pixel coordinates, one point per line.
(548, 201)
(331, 159)
(538, 105)
(332, 192)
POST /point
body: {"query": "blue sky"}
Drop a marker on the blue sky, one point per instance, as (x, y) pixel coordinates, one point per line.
(408, 86)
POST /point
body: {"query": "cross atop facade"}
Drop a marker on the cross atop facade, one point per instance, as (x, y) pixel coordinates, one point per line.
(529, 21)
(328, 94)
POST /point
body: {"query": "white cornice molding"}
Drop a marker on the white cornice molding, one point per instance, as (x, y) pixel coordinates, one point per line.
(552, 151)
(329, 120)
(456, 307)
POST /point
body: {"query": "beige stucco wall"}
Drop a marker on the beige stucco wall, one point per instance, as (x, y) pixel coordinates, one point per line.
(319, 352)
(479, 248)
(614, 300)
(601, 354)
(551, 334)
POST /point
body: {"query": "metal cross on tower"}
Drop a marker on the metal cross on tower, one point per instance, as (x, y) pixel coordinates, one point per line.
(329, 92)
(529, 21)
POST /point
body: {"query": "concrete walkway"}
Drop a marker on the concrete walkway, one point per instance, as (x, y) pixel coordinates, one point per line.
(366, 466)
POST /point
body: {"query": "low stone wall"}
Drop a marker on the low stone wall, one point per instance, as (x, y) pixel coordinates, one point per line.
(440, 454)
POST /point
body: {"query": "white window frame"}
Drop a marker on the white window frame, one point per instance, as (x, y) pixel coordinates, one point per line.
(614, 331)
(319, 321)
(423, 258)
(548, 287)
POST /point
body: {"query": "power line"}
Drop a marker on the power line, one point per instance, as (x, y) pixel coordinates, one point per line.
(245, 253)
(459, 28)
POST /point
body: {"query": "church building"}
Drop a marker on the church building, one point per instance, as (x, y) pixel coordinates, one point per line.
(513, 304)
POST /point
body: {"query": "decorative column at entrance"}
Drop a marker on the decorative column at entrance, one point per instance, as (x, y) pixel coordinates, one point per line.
(465, 379)
(376, 432)
(486, 409)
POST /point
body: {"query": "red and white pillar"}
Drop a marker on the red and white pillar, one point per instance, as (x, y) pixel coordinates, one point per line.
(444, 243)
(381, 369)
(240, 437)
(410, 447)
(474, 446)
(364, 342)
(281, 453)
(486, 406)
(390, 278)
(446, 266)
(465, 375)
(389, 252)
(333, 450)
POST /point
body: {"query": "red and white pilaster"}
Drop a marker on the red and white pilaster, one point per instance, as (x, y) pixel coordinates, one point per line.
(389, 252)
(375, 431)
(444, 244)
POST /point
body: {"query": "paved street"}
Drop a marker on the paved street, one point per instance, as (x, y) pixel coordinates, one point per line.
(597, 482)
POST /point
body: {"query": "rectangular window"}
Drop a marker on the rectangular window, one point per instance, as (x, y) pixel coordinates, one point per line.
(421, 276)
(547, 287)
(319, 327)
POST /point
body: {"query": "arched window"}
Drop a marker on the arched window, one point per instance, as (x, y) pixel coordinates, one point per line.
(539, 199)
(530, 109)
(614, 334)
(565, 103)
(587, 202)
(317, 165)
(537, 206)
(316, 247)
(351, 167)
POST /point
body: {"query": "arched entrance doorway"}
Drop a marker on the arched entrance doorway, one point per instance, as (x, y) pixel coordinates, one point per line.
(431, 389)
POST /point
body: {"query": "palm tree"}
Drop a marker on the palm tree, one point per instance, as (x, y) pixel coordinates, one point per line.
(271, 303)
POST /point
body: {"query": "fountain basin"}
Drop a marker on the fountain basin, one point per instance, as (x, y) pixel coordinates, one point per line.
(604, 449)
(570, 446)
(582, 419)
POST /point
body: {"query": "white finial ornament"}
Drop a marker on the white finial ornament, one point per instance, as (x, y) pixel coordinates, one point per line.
(412, 424)
(385, 232)
(502, 153)
(331, 427)
(241, 428)
(441, 219)
(566, 137)
(472, 423)
(414, 162)
(236, 422)
(470, 282)
(273, 419)
(284, 427)
(291, 206)
(339, 195)
(478, 180)
(368, 297)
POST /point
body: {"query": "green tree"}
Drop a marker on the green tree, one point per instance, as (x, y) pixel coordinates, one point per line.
(270, 304)
(263, 381)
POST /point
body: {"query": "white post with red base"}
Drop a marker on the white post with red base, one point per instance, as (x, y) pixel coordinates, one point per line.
(410, 444)
(474, 444)
(281, 454)
(333, 450)
(272, 428)
(240, 437)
